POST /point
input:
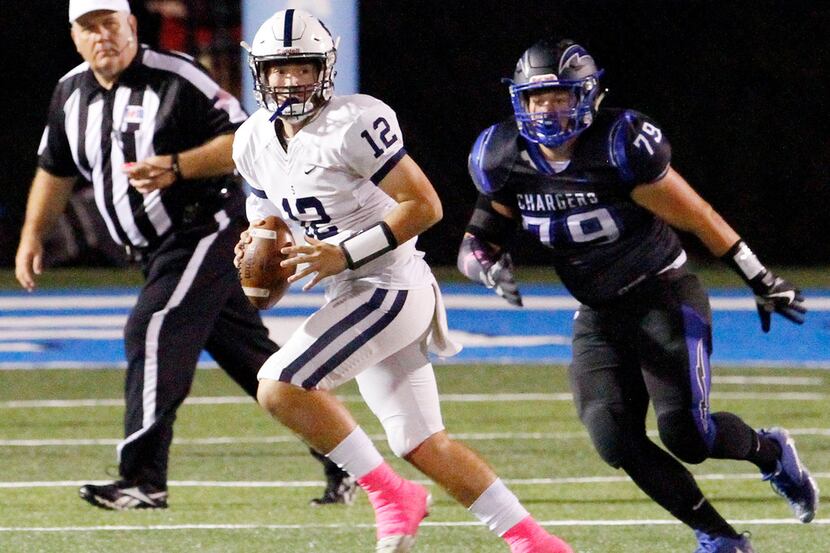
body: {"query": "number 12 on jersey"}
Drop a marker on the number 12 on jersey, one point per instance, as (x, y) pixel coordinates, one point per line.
(311, 215)
(382, 130)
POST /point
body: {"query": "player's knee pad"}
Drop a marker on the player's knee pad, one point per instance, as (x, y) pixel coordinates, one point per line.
(607, 434)
(685, 439)
(403, 438)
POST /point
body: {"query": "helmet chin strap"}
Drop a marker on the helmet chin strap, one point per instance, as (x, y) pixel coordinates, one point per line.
(282, 107)
(284, 110)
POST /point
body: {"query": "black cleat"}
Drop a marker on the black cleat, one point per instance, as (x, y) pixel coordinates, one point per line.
(340, 488)
(124, 496)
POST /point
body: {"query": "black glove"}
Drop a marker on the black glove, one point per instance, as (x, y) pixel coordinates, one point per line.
(478, 261)
(773, 293)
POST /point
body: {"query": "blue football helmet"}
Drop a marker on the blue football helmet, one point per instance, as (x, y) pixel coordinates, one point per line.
(551, 65)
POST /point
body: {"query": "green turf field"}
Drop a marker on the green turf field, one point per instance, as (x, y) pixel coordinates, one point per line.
(240, 483)
(711, 272)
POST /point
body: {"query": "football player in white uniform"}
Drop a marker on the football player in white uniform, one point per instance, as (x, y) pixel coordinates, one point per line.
(338, 167)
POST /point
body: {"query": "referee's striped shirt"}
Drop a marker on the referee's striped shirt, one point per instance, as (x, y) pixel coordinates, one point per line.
(164, 102)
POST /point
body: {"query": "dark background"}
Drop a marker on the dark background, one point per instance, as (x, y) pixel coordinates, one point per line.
(739, 87)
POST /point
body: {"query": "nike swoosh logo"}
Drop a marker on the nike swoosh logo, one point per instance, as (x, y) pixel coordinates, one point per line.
(309, 170)
(789, 295)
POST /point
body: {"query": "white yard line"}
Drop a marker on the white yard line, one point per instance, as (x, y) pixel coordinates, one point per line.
(233, 440)
(769, 380)
(426, 523)
(445, 398)
(316, 483)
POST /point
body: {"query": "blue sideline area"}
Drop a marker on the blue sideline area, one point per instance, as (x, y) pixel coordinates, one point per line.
(83, 328)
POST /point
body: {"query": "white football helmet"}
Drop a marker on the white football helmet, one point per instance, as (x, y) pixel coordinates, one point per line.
(292, 36)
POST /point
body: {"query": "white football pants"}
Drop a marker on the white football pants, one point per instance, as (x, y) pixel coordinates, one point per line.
(379, 337)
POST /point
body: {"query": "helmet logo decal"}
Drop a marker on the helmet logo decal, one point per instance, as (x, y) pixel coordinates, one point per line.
(575, 56)
(288, 33)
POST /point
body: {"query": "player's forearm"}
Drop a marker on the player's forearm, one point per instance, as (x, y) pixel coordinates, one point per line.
(418, 204)
(715, 232)
(407, 220)
(211, 159)
(412, 217)
(48, 197)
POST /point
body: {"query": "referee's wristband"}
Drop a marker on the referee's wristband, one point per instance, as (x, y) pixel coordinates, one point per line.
(175, 167)
(744, 262)
(368, 244)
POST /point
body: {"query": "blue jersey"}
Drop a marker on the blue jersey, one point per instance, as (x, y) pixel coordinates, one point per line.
(603, 242)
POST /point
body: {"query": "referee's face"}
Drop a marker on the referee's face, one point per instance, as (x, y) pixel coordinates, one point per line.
(107, 41)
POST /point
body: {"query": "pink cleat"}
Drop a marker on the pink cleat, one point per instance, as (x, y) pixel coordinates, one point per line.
(398, 513)
(528, 537)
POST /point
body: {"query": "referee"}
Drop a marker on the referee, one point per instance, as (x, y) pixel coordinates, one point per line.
(153, 133)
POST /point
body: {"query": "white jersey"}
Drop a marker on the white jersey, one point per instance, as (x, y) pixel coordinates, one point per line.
(327, 181)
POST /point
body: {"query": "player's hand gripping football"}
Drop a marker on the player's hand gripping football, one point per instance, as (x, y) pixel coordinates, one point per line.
(773, 293)
(477, 260)
(239, 249)
(321, 258)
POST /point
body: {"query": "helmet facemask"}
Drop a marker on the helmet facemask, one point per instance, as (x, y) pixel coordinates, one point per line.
(292, 103)
(553, 128)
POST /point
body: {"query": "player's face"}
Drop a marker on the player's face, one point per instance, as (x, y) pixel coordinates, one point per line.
(550, 99)
(106, 39)
(297, 79)
(556, 100)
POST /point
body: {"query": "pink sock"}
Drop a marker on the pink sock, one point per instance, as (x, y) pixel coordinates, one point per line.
(399, 504)
(378, 479)
(528, 536)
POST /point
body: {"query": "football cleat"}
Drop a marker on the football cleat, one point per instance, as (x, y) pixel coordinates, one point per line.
(791, 480)
(340, 488)
(124, 496)
(528, 537)
(722, 544)
(398, 516)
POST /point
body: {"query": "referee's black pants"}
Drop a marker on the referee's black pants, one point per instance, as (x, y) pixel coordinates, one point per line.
(191, 300)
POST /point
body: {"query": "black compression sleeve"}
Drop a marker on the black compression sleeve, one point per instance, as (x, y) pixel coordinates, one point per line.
(488, 224)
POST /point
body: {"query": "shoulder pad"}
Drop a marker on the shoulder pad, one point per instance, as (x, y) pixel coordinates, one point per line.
(638, 148)
(492, 156)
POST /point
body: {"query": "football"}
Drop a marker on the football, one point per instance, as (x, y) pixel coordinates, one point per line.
(263, 280)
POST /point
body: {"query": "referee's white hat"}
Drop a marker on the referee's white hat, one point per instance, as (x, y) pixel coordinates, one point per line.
(77, 8)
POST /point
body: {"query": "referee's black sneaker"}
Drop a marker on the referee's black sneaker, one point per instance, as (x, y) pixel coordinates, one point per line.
(124, 496)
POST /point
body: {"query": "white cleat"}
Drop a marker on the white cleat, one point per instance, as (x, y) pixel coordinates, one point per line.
(395, 544)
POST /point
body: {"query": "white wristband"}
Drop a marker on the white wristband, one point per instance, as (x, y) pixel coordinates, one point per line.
(746, 261)
(368, 244)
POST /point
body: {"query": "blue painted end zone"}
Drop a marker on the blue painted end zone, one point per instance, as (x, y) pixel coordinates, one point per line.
(35, 329)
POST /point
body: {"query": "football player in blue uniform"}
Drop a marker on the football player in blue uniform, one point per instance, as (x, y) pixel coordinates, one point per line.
(597, 187)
